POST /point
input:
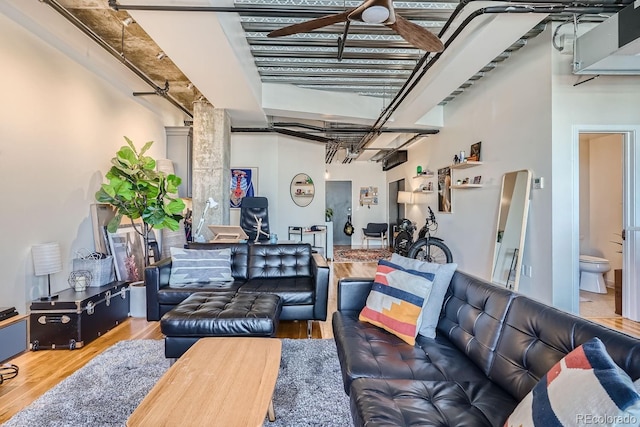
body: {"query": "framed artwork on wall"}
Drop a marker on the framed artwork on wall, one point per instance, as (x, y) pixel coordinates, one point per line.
(474, 154)
(444, 189)
(128, 253)
(368, 196)
(244, 183)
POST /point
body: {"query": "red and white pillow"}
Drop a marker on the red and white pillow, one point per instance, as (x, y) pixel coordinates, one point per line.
(396, 299)
(586, 387)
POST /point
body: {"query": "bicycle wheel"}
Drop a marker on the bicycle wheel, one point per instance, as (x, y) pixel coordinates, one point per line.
(401, 243)
(430, 250)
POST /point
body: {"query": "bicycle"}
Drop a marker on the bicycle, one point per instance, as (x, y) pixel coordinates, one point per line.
(430, 248)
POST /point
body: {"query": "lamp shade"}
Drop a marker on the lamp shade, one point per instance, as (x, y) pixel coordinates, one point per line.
(405, 197)
(166, 166)
(46, 258)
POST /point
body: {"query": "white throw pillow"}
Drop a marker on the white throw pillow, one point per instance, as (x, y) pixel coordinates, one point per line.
(433, 305)
(189, 266)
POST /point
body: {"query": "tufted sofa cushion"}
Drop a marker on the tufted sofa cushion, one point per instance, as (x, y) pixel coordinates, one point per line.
(206, 314)
(291, 290)
(428, 403)
(366, 351)
(537, 336)
(279, 261)
(472, 317)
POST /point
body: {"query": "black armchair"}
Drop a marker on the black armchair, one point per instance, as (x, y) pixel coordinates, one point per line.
(254, 210)
(375, 231)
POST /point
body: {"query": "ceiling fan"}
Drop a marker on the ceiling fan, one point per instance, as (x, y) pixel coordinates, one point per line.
(371, 12)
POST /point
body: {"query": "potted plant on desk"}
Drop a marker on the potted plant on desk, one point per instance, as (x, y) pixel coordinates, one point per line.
(137, 191)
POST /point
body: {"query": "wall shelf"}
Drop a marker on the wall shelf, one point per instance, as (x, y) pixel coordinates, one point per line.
(465, 165)
(466, 186)
(425, 175)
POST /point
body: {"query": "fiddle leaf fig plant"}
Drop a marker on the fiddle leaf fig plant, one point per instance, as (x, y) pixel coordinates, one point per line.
(136, 190)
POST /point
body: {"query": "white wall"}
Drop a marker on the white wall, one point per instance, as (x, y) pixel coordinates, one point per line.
(59, 127)
(363, 174)
(278, 159)
(508, 111)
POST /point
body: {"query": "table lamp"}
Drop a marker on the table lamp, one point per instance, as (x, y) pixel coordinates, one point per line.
(46, 261)
(197, 237)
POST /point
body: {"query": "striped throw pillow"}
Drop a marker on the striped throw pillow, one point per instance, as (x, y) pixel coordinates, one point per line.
(190, 266)
(586, 387)
(396, 299)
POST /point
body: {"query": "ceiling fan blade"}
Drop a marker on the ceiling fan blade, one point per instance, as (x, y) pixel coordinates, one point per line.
(416, 35)
(308, 26)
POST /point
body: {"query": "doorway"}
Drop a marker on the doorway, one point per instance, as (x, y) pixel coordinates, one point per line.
(601, 210)
(630, 214)
(338, 198)
(396, 210)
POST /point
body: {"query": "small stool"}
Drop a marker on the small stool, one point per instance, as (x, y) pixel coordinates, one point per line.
(219, 314)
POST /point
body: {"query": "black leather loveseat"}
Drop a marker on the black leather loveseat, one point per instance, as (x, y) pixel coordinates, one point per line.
(297, 275)
(491, 348)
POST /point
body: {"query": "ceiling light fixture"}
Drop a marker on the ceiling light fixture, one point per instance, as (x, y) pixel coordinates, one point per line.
(127, 21)
(160, 55)
(375, 14)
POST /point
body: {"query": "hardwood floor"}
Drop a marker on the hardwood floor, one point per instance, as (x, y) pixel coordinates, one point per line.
(41, 370)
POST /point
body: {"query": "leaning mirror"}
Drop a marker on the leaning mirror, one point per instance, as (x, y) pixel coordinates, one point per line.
(511, 228)
(302, 189)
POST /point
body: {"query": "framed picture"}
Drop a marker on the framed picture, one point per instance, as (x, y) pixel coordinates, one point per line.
(244, 183)
(368, 196)
(101, 214)
(444, 189)
(128, 253)
(474, 154)
(477, 179)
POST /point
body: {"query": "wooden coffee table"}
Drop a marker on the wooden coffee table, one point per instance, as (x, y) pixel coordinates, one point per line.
(218, 381)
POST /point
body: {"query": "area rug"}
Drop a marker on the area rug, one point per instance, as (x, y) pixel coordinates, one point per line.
(107, 390)
(360, 255)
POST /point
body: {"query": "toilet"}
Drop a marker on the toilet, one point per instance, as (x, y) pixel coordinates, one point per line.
(592, 271)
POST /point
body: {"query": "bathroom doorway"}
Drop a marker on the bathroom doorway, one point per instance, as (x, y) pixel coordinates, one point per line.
(601, 220)
(630, 213)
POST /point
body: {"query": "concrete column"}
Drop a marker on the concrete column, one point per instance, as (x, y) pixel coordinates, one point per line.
(211, 164)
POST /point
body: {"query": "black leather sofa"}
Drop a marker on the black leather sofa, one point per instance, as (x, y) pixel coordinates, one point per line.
(491, 347)
(294, 272)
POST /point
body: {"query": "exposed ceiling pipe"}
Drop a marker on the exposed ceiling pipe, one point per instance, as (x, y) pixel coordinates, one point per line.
(292, 12)
(283, 131)
(96, 38)
(352, 129)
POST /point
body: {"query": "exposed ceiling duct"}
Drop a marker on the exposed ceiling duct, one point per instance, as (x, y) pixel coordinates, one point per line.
(612, 47)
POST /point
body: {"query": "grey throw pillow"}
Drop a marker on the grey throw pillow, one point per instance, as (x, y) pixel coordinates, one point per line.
(189, 266)
(433, 305)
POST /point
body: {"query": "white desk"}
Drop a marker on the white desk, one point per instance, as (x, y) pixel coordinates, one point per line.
(301, 232)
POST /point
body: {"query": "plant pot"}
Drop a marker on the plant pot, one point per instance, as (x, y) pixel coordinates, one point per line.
(138, 299)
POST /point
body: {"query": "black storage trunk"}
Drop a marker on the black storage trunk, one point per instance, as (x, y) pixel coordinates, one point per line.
(76, 318)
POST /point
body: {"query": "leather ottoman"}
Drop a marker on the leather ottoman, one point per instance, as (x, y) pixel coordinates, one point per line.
(219, 314)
